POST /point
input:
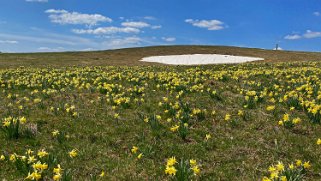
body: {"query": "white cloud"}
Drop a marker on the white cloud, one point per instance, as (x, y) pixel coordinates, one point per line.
(149, 18)
(293, 37)
(106, 30)
(65, 17)
(135, 24)
(209, 24)
(169, 39)
(156, 27)
(56, 11)
(49, 39)
(40, 1)
(9, 41)
(122, 42)
(311, 34)
(307, 35)
(316, 13)
(47, 49)
(87, 49)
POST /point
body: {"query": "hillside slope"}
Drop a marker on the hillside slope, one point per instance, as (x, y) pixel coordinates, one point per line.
(130, 56)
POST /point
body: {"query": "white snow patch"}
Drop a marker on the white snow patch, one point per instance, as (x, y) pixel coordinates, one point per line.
(199, 59)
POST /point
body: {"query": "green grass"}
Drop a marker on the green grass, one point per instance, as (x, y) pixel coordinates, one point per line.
(238, 149)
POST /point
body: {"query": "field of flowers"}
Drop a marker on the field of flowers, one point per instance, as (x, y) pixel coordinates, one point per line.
(257, 121)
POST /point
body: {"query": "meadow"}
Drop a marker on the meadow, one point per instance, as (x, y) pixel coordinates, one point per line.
(253, 121)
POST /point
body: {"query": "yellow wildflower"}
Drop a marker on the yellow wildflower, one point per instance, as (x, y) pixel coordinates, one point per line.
(208, 136)
(102, 174)
(227, 117)
(283, 178)
(55, 133)
(291, 166)
(57, 177)
(196, 170)
(286, 117)
(73, 153)
(140, 156)
(270, 108)
(266, 179)
(192, 162)
(58, 169)
(31, 159)
(12, 157)
(42, 153)
(296, 120)
(23, 120)
(171, 161)
(134, 149)
(306, 165)
(240, 113)
(280, 166)
(170, 170)
(174, 128)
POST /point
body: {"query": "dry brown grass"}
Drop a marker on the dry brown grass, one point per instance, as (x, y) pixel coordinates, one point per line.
(130, 56)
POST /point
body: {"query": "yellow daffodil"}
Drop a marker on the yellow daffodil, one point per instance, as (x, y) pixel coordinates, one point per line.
(134, 149)
(57, 177)
(73, 153)
(306, 165)
(140, 156)
(196, 170)
(171, 161)
(174, 128)
(170, 170)
(192, 162)
(55, 133)
(58, 169)
(208, 136)
(227, 117)
(102, 174)
(42, 153)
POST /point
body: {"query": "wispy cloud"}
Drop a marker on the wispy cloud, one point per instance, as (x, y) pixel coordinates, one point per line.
(122, 42)
(48, 49)
(47, 39)
(9, 41)
(208, 24)
(316, 13)
(312, 34)
(65, 17)
(39, 1)
(156, 27)
(106, 30)
(293, 37)
(135, 24)
(169, 39)
(307, 35)
(149, 18)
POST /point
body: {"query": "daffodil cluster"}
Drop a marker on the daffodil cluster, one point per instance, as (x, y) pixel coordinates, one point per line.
(183, 170)
(292, 171)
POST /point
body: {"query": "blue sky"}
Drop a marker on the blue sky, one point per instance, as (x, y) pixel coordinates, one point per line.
(68, 25)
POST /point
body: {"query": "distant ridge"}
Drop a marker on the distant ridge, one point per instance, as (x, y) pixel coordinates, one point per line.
(131, 56)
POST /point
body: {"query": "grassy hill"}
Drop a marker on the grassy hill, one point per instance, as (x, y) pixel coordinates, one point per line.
(130, 56)
(253, 121)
